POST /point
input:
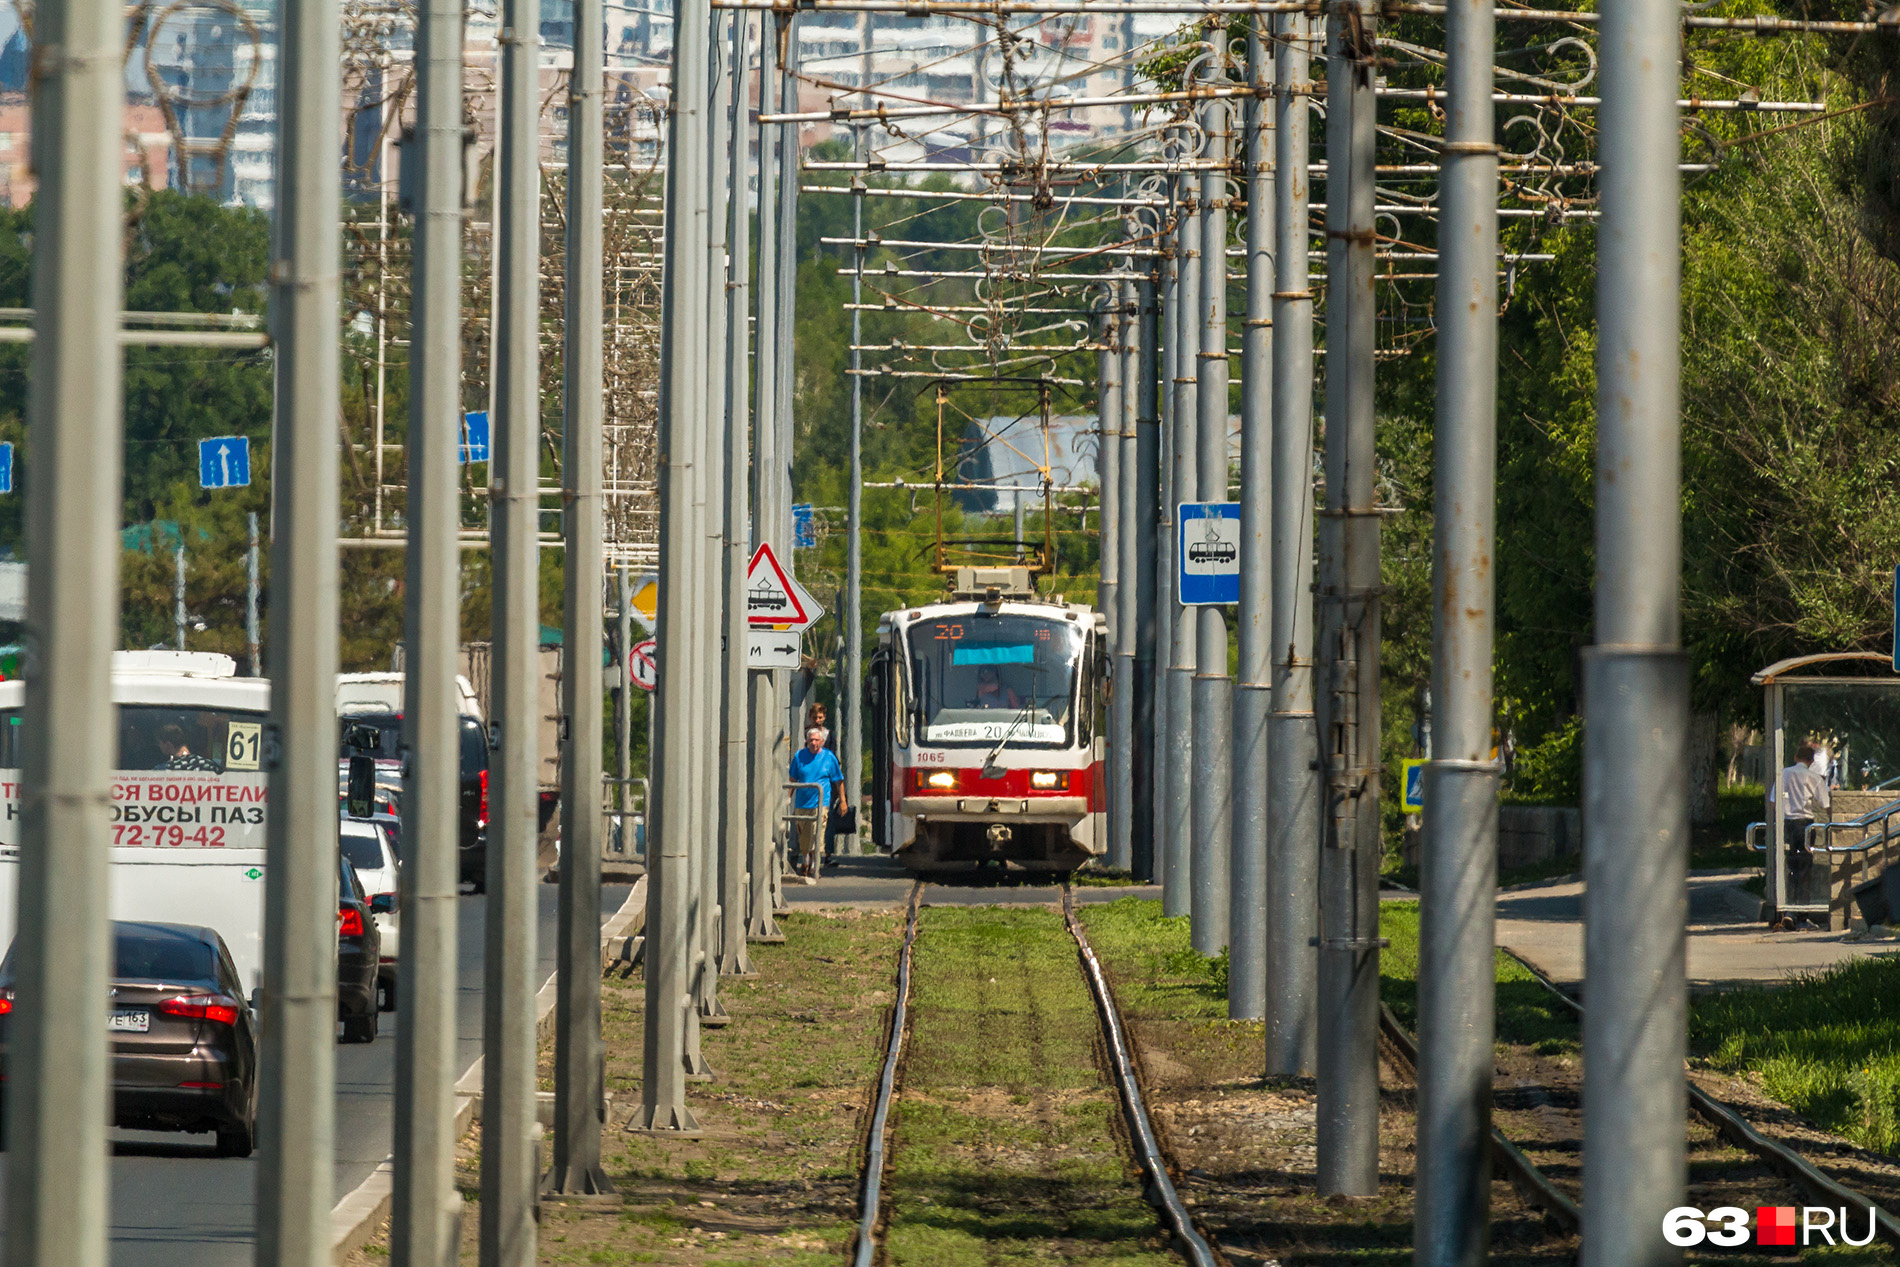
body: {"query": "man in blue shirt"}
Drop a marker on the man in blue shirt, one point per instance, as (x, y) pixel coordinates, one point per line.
(814, 763)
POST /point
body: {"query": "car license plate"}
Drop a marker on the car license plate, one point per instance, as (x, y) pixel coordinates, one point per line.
(127, 1020)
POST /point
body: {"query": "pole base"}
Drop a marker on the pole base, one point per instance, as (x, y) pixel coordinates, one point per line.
(765, 939)
(578, 1183)
(675, 1120)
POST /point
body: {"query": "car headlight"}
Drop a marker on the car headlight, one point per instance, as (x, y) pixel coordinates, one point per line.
(1049, 780)
(936, 780)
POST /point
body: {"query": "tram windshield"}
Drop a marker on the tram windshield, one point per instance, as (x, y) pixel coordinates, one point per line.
(984, 679)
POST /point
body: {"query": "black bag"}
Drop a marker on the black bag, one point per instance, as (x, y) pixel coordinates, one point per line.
(844, 820)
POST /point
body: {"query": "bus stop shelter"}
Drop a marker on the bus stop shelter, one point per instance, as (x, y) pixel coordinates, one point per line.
(1847, 702)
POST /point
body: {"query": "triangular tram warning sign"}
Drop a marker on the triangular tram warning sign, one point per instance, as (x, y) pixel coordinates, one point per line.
(772, 597)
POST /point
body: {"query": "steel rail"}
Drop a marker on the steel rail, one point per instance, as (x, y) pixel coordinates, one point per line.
(1140, 1130)
(1740, 1132)
(1530, 1182)
(865, 1248)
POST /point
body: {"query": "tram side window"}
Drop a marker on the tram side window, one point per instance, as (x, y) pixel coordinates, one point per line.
(163, 737)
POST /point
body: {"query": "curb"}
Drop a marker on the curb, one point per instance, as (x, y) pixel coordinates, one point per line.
(356, 1218)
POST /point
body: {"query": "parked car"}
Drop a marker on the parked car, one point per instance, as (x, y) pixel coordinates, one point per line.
(184, 1039)
(367, 845)
(358, 955)
(375, 700)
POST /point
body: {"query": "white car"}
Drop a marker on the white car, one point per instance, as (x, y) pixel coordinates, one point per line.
(366, 844)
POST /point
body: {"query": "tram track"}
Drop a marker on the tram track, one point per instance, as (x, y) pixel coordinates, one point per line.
(1557, 1108)
(1145, 1144)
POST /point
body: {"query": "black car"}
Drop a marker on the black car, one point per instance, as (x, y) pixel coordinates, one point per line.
(359, 956)
(184, 1040)
(472, 743)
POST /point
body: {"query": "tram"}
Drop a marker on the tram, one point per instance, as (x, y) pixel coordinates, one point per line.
(986, 724)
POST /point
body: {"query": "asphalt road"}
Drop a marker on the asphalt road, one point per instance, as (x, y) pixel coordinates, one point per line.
(174, 1203)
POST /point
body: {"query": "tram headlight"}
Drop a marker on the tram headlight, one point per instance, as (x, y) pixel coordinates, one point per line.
(1050, 780)
(935, 780)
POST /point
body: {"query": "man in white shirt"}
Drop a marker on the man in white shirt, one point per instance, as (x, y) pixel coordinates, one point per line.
(1804, 797)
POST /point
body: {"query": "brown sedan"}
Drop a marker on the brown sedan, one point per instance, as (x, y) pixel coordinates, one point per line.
(184, 1040)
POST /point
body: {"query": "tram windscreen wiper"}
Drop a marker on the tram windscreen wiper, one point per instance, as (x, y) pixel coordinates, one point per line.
(990, 769)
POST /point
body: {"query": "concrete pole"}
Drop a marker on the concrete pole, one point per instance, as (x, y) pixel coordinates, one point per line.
(1348, 1162)
(734, 889)
(1140, 600)
(1177, 823)
(426, 1215)
(178, 589)
(252, 637)
(1636, 679)
(1213, 693)
(58, 1099)
(669, 1001)
(767, 720)
(852, 689)
(1253, 692)
(1292, 737)
(297, 1091)
(779, 519)
(711, 565)
(1108, 478)
(1459, 853)
(510, 1132)
(579, 1095)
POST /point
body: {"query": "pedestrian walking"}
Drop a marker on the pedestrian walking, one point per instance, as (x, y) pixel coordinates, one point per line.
(814, 764)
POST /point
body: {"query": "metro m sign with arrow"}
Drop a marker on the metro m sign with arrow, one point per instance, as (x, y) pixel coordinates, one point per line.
(773, 598)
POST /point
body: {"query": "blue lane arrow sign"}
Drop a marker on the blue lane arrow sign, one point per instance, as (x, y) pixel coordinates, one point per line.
(224, 462)
(1207, 562)
(474, 437)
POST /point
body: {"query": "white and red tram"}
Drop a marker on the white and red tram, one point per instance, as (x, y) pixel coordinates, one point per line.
(986, 723)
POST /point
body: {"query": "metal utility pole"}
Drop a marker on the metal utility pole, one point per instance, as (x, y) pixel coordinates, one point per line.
(251, 636)
(579, 1095)
(1459, 849)
(767, 720)
(426, 1216)
(1139, 598)
(1164, 323)
(1213, 693)
(623, 713)
(178, 589)
(1253, 692)
(1349, 632)
(778, 520)
(510, 1160)
(1636, 678)
(1293, 797)
(296, 1096)
(669, 1001)
(852, 688)
(1177, 822)
(59, 1095)
(735, 894)
(1108, 479)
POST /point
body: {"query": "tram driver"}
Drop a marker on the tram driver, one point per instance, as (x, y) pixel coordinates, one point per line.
(993, 692)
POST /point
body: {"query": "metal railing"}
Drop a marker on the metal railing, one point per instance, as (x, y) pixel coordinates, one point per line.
(1877, 827)
(624, 807)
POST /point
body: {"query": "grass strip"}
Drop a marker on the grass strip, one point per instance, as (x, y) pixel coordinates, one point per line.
(1528, 1014)
(1006, 1148)
(1827, 1045)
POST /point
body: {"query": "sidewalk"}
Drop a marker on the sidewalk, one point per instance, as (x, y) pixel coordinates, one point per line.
(1728, 943)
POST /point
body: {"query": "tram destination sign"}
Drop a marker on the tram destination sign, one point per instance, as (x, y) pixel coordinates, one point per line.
(1207, 566)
